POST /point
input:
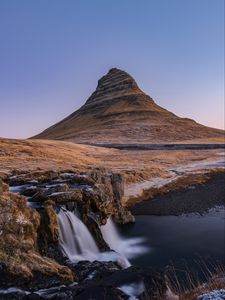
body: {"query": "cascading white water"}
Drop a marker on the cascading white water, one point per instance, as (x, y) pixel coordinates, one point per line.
(75, 240)
(78, 244)
(130, 248)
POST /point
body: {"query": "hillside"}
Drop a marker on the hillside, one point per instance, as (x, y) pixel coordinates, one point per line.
(119, 112)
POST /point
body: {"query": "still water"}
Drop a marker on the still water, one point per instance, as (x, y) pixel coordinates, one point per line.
(180, 240)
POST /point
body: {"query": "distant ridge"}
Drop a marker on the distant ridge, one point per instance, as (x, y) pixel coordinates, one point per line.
(119, 112)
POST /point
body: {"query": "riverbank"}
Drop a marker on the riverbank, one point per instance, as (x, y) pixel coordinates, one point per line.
(198, 195)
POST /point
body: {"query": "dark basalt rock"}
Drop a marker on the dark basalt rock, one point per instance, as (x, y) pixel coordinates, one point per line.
(153, 281)
(96, 292)
(80, 179)
(96, 232)
(71, 195)
(43, 192)
(106, 281)
(30, 191)
(94, 196)
(87, 271)
(48, 230)
(100, 193)
(38, 176)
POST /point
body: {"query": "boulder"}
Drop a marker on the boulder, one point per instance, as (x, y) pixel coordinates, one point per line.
(38, 176)
(44, 191)
(69, 196)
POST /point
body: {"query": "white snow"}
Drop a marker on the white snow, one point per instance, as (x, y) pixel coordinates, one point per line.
(136, 189)
(50, 291)
(18, 188)
(59, 193)
(214, 295)
(13, 290)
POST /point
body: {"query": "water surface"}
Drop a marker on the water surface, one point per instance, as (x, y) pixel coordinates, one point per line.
(181, 240)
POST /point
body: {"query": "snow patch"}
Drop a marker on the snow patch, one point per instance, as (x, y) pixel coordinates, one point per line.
(13, 290)
(137, 189)
(214, 295)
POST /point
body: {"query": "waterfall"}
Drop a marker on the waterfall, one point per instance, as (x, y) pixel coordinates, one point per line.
(75, 240)
(77, 243)
(129, 247)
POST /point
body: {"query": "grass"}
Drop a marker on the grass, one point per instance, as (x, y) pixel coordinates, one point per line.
(188, 285)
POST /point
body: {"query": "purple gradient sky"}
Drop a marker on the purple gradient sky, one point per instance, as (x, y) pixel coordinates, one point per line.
(53, 52)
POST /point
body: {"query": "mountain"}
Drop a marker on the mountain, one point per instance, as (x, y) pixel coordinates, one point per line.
(120, 112)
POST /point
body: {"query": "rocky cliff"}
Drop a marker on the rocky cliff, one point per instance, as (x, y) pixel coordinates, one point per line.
(30, 256)
(119, 112)
(29, 232)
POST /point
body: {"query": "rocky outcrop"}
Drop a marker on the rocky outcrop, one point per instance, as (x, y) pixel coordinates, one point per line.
(32, 177)
(119, 112)
(20, 260)
(95, 196)
(106, 281)
(29, 251)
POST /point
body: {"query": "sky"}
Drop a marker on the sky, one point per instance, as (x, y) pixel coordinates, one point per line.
(52, 53)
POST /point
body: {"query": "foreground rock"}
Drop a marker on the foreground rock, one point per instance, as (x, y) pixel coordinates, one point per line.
(96, 193)
(20, 261)
(106, 282)
(29, 237)
(30, 257)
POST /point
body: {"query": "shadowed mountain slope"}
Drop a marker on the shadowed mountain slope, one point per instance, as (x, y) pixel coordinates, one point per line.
(119, 112)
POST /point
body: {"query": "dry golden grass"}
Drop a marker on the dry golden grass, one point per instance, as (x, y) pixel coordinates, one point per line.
(191, 286)
(136, 165)
(46, 155)
(210, 140)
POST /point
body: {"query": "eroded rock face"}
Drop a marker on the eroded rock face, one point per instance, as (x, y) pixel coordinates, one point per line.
(107, 281)
(95, 196)
(100, 194)
(33, 242)
(48, 229)
(33, 177)
(19, 257)
(104, 198)
(32, 237)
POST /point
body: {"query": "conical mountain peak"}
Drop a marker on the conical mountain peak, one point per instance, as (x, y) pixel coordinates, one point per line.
(119, 112)
(116, 76)
(115, 83)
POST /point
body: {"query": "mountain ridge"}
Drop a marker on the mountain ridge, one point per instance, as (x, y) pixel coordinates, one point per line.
(118, 110)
